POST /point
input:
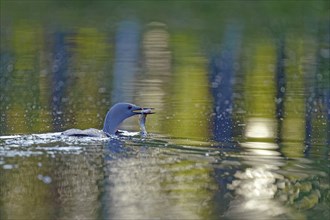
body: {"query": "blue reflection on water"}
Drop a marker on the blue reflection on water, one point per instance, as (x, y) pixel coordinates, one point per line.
(222, 79)
(125, 63)
(60, 78)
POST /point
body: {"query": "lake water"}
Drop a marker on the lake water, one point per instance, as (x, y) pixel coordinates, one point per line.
(241, 92)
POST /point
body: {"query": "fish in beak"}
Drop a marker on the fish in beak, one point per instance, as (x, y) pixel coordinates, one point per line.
(144, 111)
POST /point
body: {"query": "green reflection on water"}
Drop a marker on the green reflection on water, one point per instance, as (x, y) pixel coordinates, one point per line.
(91, 77)
(28, 81)
(294, 118)
(23, 195)
(190, 92)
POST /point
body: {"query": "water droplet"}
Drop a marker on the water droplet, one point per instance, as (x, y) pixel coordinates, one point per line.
(102, 90)
(47, 179)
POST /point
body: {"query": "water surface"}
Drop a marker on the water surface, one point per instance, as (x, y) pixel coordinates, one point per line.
(242, 95)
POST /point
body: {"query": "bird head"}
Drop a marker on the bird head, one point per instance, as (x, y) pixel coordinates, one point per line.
(118, 113)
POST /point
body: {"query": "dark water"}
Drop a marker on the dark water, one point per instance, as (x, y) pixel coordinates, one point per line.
(242, 95)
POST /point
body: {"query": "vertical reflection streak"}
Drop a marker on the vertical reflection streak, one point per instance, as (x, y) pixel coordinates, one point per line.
(156, 76)
(125, 63)
(222, 75)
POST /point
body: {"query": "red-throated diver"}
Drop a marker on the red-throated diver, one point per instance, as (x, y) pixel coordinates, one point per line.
(115, 116)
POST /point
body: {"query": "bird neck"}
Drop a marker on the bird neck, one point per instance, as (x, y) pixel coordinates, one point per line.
(111, 123)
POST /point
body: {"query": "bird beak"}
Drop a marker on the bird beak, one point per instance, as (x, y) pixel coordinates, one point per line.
(140, 110)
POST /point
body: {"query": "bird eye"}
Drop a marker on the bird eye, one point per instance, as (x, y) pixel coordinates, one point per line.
(129, 107)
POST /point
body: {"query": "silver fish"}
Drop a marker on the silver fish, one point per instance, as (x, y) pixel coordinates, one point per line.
(143, 118)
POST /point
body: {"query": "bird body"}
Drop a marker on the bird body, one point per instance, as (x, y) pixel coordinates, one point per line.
(90, 132)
